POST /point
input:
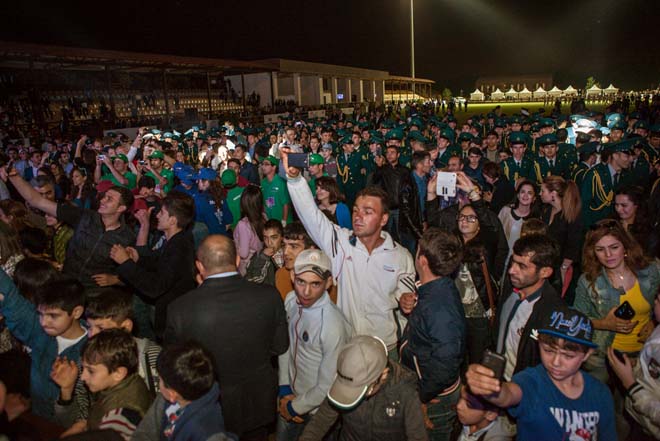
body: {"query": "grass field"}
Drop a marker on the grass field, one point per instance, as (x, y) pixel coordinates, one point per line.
(512, 108)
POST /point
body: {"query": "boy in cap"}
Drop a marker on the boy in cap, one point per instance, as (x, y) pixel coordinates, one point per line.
(276, 196)
(376, 398)
(119, 172)
(316, 165)
(155, 168)
(319, 330)
(329, 164)
(478, 419)
(554, 400)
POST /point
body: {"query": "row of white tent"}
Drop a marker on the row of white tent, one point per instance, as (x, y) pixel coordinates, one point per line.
(541, 93)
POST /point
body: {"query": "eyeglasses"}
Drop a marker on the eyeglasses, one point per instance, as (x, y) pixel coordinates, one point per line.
(467, 218)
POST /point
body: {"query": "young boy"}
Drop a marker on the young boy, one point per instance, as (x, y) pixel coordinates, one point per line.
(187, 407)
(51, 329)
(264, 264)
(554, 400)
(478, 419)
(110, 364)
(319, 329)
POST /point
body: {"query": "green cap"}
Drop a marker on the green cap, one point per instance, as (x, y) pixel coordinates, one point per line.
(465, 136)
(548, 139)
(122, 157)
(589, 148)
(447, 133)
(625, 145)
(316, 159)
(394, 134)
(157, 155)
(228, 178)
(347, 140)
(619, 125)
(641, 124)
(272, 160)
(416, 135)
(517, 138)
(546, 122)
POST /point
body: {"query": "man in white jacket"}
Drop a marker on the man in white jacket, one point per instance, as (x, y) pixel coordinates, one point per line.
(317, 332)
(375, 275)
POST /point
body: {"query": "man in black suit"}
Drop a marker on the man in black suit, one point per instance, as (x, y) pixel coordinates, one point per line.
(243, 325)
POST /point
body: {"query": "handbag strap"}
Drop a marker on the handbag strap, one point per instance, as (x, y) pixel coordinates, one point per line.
(489, 288)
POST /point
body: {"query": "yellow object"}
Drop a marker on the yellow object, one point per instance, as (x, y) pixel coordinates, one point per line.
(628, 342)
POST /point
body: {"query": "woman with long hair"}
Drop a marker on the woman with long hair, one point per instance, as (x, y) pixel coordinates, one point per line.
(523, 207)
(330, 201)
(561, 212)
(630, 210)
(61, 180)
(15, 214)
(484, 255)
(615, 271)
(210, 205)
(248, 234)
(82, 192)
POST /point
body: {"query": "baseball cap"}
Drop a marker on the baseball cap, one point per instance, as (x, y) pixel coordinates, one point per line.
(157, 155)
(313, 260)
(316, 159)
(228, 178)
(570, 325)
(206, 173)
(272, 160)
(121, 156)
(360, 363)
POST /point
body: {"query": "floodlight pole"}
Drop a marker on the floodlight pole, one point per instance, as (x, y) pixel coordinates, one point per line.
(412, 46)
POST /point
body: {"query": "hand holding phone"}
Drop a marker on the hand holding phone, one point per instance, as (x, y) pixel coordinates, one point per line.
(495, 362)
(625, 311)
(446, 184)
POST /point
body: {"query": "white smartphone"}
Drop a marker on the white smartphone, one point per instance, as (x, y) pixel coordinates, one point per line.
(446, 185)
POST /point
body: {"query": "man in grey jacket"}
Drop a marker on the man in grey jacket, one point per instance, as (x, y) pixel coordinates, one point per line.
(317, 331)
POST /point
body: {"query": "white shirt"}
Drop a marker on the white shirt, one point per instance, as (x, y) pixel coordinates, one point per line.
(65, 343)
(368, 285)
(517, 321)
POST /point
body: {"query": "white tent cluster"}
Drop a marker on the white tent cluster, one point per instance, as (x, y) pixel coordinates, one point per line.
(541, 94)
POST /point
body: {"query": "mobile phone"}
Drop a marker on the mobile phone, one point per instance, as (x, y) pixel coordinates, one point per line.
(102, 157)
(446, 184)
(142, 162)
(299, 160)
(619, 355)
(495, 362)
(625, 311)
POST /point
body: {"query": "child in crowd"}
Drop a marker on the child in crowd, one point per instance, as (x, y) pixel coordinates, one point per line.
(110, 366)
(187, 407)
(51, 329)
(266, 262)
(555, 399)
(478, 419)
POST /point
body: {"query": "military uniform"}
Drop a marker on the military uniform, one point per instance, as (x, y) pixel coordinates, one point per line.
(526, 169)
(579, 172)
(597, 192)
(351, 175)
(554, 167)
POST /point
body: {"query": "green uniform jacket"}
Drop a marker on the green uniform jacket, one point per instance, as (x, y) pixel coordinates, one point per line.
(349, 175)
(597, 192)
(578, 173)
(561, 168)
(527, 169)
(442, 160)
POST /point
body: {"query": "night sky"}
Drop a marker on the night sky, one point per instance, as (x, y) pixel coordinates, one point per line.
(455, 40)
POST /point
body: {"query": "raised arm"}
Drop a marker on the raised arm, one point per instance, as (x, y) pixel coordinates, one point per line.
(28, 193)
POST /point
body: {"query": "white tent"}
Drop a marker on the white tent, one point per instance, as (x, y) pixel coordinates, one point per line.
(610, 90)
(570, 91)
(511, 93)
(477, 95)
(594, 91)
(497, 95)
(524, 94)
(540, 92)
(554, 92)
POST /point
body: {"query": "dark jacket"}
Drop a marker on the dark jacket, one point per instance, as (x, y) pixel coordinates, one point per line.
(370, 421)
(410, 210)
(164, 275)
(528, 349)
(391, 179)
(485, 246)
(433, 343)
(503, 193)
(201, 421)
(243, 325)
(568, 235)
(88, 252)
(250, 172)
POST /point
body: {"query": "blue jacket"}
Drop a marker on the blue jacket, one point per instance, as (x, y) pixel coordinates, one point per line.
(23, 322)
(434, 340)
(206, 212)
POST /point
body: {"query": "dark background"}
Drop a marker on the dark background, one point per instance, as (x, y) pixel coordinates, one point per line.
(455, 40)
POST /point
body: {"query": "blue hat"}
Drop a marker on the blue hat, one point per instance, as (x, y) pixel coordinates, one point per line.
(206, 173)
(570, 325)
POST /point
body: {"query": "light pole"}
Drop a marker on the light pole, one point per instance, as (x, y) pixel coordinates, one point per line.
(412, 46)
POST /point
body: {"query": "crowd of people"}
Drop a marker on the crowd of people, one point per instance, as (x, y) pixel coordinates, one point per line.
(374, 276)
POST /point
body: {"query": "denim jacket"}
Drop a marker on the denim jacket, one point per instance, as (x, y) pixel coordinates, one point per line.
(598, 300)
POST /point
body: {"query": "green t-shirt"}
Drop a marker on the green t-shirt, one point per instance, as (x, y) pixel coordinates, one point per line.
(130, 177)
(167, 174)
(234, 203)
(276, 196)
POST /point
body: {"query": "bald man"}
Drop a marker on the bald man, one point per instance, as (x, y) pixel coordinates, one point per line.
(243, 325)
